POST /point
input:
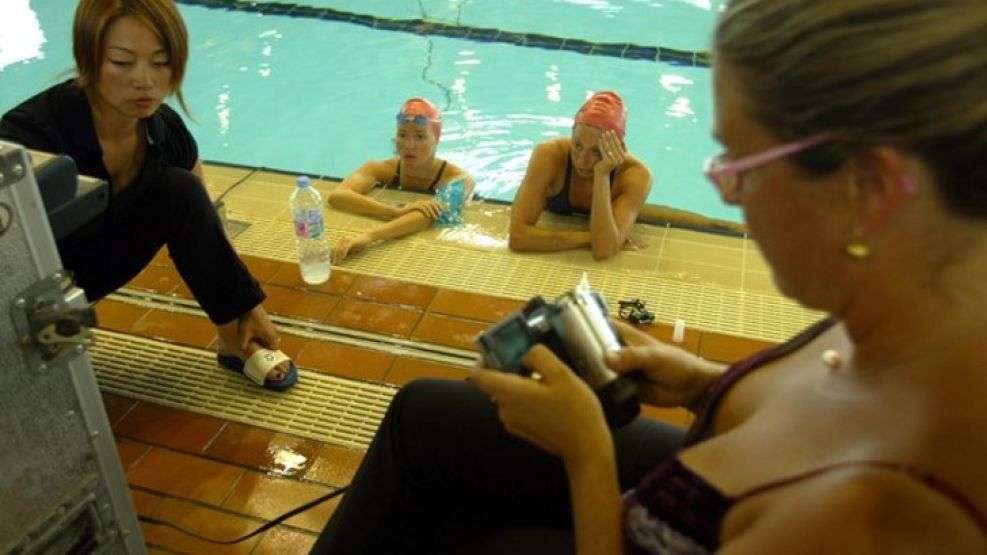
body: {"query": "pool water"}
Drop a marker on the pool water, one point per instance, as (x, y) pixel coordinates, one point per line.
(318, 96)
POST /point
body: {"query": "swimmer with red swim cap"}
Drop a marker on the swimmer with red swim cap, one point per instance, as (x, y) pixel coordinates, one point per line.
(415, 168)
(590, 172)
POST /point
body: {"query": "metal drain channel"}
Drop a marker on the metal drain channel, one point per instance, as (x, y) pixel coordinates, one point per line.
(313, 330)
(325, 408)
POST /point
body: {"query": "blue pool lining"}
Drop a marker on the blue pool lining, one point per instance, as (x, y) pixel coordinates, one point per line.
(625, 51)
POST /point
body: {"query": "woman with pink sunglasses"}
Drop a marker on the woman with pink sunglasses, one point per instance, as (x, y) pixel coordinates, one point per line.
(855, 140)
(416, 168)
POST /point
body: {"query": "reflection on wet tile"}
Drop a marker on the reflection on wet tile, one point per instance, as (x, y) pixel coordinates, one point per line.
(181, 475)
(334, 466)
(208, 522)
(345, 361)
(265, 450)
(117, 316)
(452, 332)
(485, 308)
(267, 497)
(289, 276)
(180, 328)
(384, 290)
(406, 369)
(298, 304)
(173, 428)
(285, 541)
(373, 317)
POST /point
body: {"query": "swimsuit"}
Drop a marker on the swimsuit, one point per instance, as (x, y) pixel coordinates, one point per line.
(396, 180)
(674, 511)
(560, 203)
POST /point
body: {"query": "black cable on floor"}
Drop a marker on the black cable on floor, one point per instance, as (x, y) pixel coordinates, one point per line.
(269, 525)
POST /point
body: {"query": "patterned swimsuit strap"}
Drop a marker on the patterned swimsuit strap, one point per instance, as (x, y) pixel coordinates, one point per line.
(913, 472)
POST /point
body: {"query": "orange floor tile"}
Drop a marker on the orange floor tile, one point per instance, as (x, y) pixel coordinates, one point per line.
(225, 479)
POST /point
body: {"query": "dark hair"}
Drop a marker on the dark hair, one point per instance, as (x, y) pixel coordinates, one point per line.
(905, 73)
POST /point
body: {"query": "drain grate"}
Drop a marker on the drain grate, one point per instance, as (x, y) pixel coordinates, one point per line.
(325, 408)
(312, 330)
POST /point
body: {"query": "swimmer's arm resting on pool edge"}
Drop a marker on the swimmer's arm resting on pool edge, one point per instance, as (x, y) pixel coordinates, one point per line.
(418, 215)
(548, 160)
(529, 203)
(351, 193)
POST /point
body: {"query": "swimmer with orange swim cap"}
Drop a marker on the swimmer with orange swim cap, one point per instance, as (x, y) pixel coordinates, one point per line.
(591, 172)
(416, 168)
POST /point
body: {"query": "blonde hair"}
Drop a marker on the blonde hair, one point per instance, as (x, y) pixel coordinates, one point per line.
(94, 17)
(904, 73)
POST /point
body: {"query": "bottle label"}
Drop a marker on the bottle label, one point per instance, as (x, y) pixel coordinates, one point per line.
(308, 223)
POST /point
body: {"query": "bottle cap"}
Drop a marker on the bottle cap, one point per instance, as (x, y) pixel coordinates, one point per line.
(303, 181)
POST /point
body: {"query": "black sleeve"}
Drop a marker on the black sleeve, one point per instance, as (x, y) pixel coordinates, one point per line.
(21, 126)
(180, 147)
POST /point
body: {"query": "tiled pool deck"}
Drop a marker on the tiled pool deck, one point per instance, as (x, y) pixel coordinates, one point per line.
(222, 476)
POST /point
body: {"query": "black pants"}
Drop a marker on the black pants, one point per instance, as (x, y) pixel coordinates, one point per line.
(164, 207)
(443, 476)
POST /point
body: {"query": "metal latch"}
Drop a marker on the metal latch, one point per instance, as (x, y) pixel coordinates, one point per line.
(11, 167)
(53, 319)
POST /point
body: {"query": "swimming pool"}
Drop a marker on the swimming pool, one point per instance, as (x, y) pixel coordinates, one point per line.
(316, 94)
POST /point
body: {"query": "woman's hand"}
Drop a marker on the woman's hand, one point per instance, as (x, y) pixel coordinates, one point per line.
(431, 209)
(255, 326)
(557, 412)
(673, 377)
(349, 245)
(611, 153)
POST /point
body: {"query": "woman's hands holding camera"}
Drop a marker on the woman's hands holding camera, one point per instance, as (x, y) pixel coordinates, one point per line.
(558, 411)
(673, 377)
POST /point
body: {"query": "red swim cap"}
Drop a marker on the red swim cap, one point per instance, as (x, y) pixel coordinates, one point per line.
(424, 109)
(604, 110)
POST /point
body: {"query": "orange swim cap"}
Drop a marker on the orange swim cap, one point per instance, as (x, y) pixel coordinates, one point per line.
(419, 110)
(604, 110)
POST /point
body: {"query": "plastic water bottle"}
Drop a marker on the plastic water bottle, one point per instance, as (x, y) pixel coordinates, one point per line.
(314, 254)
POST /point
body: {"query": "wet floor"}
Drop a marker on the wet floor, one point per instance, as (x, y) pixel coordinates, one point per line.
(224, 477)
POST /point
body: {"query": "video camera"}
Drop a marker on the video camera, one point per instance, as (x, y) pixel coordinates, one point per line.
(575, 327)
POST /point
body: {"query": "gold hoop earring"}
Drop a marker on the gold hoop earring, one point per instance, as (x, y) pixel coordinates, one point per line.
(857, 248)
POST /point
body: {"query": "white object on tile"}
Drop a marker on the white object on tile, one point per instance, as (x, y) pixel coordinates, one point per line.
(678, 332)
